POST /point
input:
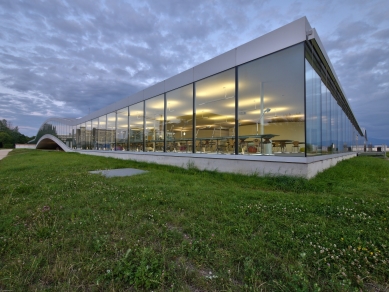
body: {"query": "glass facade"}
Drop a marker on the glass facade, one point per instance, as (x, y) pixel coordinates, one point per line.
(135, 124)
(179, 119)
(101, 133)
(271, 104)
(286, 103)
(122, 130)
(329, 127)
(88, 134)
(78, 136)
(83, 136)
(313, 110)
(215, 113)
(95, 128)
(155, 124)
(110, 134)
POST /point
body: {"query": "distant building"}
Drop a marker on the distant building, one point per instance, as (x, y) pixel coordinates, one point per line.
(274, 99)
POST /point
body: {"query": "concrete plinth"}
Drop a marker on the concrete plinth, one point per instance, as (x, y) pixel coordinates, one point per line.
(262, 165)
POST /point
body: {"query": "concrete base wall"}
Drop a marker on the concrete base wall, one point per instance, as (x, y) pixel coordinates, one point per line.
(320, 165)
(25, 146)
(306, 167)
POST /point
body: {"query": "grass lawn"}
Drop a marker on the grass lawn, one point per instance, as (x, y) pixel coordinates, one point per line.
(63, 229)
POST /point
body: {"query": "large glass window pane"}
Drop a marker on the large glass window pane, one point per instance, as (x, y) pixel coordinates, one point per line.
(82, 130)
(179, 119)
(271, 104)
(329, 123)
(101, 132)
(215, 113)
(88, 134)
(325, 120)
(351, 136)
(59, 131)
(313, 110)
(334, 125)
(63, 132)
(74, 137)
(136, 127)
(54, 123)
(154, 127)
(69, 136)
(78, 136)
(340, 136)
(122, 130)
(95, 128)
(347, 133)
(344, 131)
(111, 131)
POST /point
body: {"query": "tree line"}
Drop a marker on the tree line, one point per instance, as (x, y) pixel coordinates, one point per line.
(10, 135)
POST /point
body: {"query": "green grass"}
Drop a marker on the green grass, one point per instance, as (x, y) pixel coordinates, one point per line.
(170, 229)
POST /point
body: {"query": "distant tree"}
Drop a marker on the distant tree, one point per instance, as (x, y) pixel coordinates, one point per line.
(5, 139)
(10, 135)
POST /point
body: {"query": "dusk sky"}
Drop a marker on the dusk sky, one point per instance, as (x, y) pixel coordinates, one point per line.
(66, 58)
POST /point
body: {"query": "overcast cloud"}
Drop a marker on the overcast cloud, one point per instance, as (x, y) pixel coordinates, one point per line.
(71, 57)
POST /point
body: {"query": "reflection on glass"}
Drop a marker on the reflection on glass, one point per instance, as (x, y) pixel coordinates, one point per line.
(325, 121)
(78, 136)
(74, 136)
(47, 128)
(69, 136)
(313, 110)
(215, 113)
(122, 130)
(82, 133)
(334, 125)
(339, 130)
(154, 127)
(271, 104)
(88, 134)
(111, 131)
(136, 127)
(179, 119)
(59, 127)
(101, 133)
(95, 127)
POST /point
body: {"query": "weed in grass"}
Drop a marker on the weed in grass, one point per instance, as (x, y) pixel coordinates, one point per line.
(140, 268)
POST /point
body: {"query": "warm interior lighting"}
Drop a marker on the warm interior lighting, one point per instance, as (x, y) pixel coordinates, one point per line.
(211, 88)
(219, 99)
(251, 102)
(217, 118)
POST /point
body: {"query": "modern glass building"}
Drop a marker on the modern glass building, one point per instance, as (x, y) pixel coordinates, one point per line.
(277, 95)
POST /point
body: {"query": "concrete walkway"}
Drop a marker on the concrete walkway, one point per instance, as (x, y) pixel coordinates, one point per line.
(4, 153)
(119, 172)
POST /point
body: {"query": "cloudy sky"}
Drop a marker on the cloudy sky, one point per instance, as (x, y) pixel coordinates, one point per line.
(71, 57)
